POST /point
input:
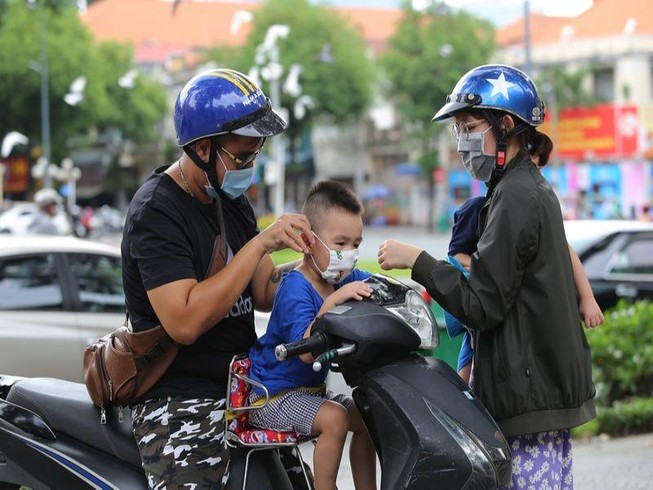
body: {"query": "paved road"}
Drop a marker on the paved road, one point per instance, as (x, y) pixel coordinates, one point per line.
(435, 243)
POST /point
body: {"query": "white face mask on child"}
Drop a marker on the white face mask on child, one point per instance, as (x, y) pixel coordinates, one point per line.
(341, 263)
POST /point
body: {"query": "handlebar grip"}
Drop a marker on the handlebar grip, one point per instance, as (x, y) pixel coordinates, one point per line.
(315, 342)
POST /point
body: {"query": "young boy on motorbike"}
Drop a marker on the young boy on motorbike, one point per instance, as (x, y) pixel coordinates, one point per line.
(299, 400)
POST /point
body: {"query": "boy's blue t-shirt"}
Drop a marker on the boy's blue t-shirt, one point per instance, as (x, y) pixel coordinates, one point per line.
(295, 306)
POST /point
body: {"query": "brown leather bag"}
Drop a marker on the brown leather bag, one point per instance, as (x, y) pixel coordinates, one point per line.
(121, 366)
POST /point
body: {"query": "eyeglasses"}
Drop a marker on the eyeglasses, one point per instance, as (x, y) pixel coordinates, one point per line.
(244, 160)
(460, 129)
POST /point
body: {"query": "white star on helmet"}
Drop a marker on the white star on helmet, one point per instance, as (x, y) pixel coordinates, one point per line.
(500, 86)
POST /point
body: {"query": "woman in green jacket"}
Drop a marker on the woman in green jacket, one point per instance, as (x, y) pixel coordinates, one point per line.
(531, 365)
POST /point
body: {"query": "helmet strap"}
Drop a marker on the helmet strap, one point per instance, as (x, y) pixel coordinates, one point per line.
(502, 138)
(207, 167)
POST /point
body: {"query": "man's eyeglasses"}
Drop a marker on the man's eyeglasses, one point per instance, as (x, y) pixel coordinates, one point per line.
(460, 129)
(244, 160)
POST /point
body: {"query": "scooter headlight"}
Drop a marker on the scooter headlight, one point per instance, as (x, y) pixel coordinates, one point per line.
(417, 314)
(491, 466)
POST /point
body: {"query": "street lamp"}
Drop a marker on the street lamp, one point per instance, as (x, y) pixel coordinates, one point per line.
(272, 72)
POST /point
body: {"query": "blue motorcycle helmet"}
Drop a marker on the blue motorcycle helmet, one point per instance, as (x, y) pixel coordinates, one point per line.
(223, 101)
(500, 87)
(217, 102)
(491, 90)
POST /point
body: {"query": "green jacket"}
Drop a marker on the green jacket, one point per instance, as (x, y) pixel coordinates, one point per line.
(532, 366)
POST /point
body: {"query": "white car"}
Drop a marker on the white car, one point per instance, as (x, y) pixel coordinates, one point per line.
(583, 233)
(617, 256)
(57, 296)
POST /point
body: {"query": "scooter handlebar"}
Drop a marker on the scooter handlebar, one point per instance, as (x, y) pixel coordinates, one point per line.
(315, 343)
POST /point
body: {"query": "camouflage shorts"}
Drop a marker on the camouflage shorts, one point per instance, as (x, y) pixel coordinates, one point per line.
(181, 443)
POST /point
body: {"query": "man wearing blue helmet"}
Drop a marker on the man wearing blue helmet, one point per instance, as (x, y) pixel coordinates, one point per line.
(195, 263)
(531, 363)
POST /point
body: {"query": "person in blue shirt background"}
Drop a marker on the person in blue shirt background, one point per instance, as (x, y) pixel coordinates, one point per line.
(299, 400)
(464, 238)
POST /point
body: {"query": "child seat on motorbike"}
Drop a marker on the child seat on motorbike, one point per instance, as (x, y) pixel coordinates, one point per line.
(238, 431)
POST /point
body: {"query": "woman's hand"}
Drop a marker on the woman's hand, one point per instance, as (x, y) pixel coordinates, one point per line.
(397, 255)
(289, 231)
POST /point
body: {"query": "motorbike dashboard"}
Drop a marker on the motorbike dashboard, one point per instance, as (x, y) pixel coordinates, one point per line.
(386, 290)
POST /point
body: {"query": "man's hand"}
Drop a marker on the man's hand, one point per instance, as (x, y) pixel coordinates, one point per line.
(289, 231)
(397, 255)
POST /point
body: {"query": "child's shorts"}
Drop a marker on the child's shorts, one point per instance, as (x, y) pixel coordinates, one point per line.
(294, 410)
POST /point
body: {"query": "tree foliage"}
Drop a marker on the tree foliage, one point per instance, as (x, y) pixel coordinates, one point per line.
(566, 88)
(430, 50)
(71, 52)
(340, 86)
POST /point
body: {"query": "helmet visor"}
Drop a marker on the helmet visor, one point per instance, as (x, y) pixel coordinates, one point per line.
(268, 125)
(455, 103)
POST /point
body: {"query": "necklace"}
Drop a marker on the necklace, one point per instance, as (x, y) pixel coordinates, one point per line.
(183, 178)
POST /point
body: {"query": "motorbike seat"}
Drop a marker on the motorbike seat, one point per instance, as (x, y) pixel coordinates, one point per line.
(67, 408)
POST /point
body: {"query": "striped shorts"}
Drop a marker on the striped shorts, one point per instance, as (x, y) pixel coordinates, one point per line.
(294, 410)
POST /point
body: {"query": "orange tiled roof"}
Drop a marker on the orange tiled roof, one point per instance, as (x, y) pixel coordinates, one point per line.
(154, 30)
(605, 18)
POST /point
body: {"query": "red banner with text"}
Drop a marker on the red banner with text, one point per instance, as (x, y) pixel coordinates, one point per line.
(587, 133)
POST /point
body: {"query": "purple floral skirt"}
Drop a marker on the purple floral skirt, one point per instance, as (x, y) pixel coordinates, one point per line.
(541, 461)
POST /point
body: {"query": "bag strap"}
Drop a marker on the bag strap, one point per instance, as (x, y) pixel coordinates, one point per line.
(155, 352)
(223, 229)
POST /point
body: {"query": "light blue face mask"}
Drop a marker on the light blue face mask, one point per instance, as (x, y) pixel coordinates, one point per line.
(234, 182)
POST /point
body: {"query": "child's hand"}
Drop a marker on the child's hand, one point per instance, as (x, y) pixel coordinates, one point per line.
(464, 260)
(396, 255)
(590, 312)
(353, 290)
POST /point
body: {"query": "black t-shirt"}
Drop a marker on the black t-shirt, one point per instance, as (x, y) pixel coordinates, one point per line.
(169, 236)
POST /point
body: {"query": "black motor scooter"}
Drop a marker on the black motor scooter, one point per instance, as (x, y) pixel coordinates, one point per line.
(428, 428)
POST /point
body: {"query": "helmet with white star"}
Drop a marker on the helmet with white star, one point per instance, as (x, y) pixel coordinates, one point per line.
(499, 87)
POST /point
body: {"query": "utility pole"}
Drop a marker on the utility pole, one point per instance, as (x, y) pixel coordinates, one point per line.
(45, 98)
(527, 39)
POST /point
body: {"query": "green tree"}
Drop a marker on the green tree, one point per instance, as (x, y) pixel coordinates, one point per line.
(430, 50)
(566, 88)
(71, 52)
(336, 72)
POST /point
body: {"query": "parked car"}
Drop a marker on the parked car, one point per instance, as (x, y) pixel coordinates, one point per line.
(20, 215)
(57, 296)
(617, 256)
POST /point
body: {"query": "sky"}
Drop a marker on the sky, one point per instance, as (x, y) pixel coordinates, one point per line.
(500, 12)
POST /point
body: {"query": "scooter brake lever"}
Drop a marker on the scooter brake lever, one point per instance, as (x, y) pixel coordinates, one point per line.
(331, 355)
